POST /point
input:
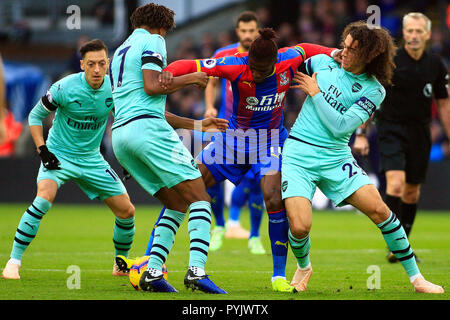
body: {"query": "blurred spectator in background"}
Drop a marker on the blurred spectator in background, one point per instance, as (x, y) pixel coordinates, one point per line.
(104, 11)
(263, 16)
(2, 102)
(13, 129)
(439, 142)
(341, 14)
(187, 102)
(73, 65)
(360, 10)
(286, 36)
(20, 32)
(389, 18)
(10, 129)
(207, 45)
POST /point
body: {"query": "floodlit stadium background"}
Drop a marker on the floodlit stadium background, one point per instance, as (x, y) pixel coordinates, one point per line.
(39, 41)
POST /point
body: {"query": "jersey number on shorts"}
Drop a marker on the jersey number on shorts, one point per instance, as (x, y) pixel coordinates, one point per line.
(352, 172)
(122, 52)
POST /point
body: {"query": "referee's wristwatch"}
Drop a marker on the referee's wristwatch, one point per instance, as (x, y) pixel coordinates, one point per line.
(360, 132)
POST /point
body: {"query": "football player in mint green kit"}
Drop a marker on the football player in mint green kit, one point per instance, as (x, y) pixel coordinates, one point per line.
(83, 102)
(340, 99)
(151, 151)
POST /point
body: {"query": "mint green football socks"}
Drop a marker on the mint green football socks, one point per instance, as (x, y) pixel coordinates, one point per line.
(28, 226)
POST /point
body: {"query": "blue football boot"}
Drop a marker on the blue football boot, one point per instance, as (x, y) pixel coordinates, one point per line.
(155, 284)
(202, 283)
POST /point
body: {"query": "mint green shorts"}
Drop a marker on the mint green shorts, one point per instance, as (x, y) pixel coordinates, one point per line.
(91, 173)
(151, 151)
(305, 167)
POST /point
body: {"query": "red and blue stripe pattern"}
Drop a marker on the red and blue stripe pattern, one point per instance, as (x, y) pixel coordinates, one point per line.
(256, 105)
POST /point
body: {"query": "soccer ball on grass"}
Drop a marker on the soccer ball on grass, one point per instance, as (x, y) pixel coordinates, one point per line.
(138, 268)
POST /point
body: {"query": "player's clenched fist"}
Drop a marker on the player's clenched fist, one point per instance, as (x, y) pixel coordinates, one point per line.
(214, 125)
(49, 160)
(210, 112)
(165, 78)
(200, 79)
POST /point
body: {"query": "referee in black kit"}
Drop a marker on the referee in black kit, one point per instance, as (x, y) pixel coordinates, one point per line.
(403, 121)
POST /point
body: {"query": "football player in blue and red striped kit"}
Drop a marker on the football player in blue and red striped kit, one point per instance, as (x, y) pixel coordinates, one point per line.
(259, 83)
(247, 26)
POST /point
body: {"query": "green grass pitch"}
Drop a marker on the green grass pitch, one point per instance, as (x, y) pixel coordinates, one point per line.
(344, 245)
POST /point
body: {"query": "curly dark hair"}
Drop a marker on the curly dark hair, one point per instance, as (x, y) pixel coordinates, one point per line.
(378, 48)
(264, 48)
(153, 16)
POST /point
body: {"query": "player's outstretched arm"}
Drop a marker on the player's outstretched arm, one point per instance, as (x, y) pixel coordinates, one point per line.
(228, 67)
(182, 67)
(152, 82)
(314, 49)
(210, 98)
(209, 124)
(37, 114)
(310, 50)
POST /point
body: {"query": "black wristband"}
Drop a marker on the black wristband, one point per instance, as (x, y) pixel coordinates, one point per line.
(43, 148)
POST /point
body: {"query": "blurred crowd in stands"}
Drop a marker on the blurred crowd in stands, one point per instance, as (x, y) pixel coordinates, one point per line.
(314, 21)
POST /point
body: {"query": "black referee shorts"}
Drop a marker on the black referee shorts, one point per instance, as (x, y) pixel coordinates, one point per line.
(405, 147)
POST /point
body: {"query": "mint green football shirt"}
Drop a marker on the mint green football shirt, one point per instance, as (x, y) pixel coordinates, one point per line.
(347, 101)
(81, 114)
(141, 50)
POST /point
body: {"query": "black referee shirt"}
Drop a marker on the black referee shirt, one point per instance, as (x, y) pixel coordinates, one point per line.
(415, 82)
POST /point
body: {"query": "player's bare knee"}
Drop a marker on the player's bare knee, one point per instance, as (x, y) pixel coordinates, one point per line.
(47, 196)
(299, 230)
(411, 195)
(46, 193)
(273, 201)
(196, 196)
(175, 204)
(379, 212)
(395, 188)
(125, 212)
(129, 212)
(411, 198)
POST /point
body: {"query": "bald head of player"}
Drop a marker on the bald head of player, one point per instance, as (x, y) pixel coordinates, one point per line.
(156, 19)
(262, 55)
(94, 62)
(368, 50)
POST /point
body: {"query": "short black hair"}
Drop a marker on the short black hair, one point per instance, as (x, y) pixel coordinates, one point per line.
(153, 16)
(247, 16)
(93, 45)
